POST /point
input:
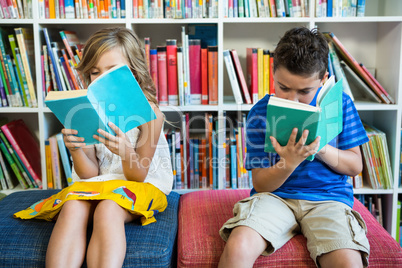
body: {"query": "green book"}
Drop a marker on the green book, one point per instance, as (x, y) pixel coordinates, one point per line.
(13, 165)
(324, 119)
(115, 97)
(398, 221)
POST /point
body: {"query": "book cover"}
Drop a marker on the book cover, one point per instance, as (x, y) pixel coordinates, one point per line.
(49, 168)
(26, 147)
(171, 58)
(252, 73)
(232, 77)
(54, 152)
(204, 76)
(88, 110)
(153, 58)
(324, 119)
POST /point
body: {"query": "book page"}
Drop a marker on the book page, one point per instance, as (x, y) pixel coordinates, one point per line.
(60, 95)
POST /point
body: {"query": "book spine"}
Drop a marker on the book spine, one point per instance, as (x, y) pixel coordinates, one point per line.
(67, 45)
(204, 76)
(49, 169)
(232, 77)
(8, 184)
(64, 158)
(377, 83)
(271, 74)
(147, 44)
(266, 57)
(13, 166)
(24, 80)
(162, 76)
(70, 71)
(213, 74)
(154, 69)
(55, 162)
(240, 76)
(13, 82)
(180, 75)
(252, 78)
(194, 48)
(171, 57)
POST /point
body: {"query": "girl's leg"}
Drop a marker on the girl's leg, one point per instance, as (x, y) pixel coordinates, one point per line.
(107, 247)
(67, 243)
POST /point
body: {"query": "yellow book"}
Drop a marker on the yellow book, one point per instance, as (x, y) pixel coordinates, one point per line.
(266, 71)
(52, 9)
(260, 61)
(25, 62)
(49, 170)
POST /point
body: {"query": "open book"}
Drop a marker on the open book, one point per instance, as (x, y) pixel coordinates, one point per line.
(115, 96)
(324, 119)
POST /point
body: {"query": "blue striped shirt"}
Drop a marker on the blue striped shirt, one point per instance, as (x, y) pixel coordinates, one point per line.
(311, 180)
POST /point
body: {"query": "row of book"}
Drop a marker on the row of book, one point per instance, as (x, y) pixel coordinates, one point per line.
(358, 82)
(16, 77)
(374, 205)
(175, 9)
(58, 163)
(58, 63)
(19, 156)
(186, 74)
(16, 9)
(340, 8)
(82, 9)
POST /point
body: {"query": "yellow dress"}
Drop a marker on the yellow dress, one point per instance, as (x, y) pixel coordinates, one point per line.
(145, 199)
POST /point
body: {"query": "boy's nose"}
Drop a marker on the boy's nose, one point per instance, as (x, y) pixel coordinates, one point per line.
(292, 96)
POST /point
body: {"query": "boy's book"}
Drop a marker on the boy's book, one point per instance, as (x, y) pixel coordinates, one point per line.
(324, 119)
(115, 96)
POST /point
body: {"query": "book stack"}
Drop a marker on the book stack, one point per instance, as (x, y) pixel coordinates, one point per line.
(58, 63)
(194, 152)
(58, 164)
(254, 83)
(186, 74)
(377, 170)
(16, 9)
(175, 9)
(82, 9)
(358, 82)
(19, 157)
(266, 8)
(16, 78)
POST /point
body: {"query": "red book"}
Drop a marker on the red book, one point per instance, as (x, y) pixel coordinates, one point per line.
(70, 71)
(240, 76)
(171, 55)
(377, 83)
(213, 74)
(194, 48)
(162, 76)
(204, 76)
(252, 73)
(26, 146)
(147, 43)
(348, 58)
(153, 54)
(271, 74)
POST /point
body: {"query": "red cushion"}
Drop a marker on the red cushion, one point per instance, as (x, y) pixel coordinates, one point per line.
(202, 214)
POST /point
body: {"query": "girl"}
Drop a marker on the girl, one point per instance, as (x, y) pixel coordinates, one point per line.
(124, 177)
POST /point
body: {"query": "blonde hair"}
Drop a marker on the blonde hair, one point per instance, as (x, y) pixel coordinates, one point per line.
(109, 38)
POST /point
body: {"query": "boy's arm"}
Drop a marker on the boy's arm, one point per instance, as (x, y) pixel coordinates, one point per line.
(348, 162)
(291, 155)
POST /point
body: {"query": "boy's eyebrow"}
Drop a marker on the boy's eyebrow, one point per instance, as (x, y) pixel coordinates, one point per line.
(306, 88)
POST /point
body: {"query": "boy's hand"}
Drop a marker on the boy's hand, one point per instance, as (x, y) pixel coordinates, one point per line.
(71, 140)
(118, 144)
(293, 153)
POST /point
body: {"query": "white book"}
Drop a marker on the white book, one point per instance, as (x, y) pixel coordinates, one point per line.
(180, 75)
(232, 77)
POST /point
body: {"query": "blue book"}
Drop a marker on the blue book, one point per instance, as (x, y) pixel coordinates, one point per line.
(233, 164)
(64, 158)
(52, 59)
(115, 97)
(361, 8)
(329, 8)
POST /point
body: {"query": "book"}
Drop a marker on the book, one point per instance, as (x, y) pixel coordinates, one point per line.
(240, 76)
(194, 50)
(64, 158)
(213, 75)
(232, 77)
(26, 146)
(324, 119)
(56, 166)
(92, 109)
(171, 63)
(162, 76)
(252, 73)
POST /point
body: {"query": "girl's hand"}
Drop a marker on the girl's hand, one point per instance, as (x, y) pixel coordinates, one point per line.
(296, 152)
(118, 144)
(71, 140)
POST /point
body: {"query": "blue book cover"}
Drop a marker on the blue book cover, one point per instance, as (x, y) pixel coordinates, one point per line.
(64, 158)
(115, 97)
(52, 58)
(233, 165)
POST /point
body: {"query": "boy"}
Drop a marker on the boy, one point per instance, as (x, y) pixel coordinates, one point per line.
(293, 195)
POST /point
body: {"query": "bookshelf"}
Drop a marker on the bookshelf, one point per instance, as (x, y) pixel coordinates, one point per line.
(375, 39)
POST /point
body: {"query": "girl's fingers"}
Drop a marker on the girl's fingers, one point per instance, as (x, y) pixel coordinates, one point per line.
(116, 129)
(66, 131)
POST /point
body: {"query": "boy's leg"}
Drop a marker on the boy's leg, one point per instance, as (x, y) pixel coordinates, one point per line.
(67, 244)
(107, 247)
(261, 224)
(336, 235)
(244, 243)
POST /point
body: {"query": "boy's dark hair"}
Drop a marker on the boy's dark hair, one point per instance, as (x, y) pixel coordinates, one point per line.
(303, 52)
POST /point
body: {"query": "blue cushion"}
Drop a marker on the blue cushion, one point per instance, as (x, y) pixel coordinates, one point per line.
(23, 243)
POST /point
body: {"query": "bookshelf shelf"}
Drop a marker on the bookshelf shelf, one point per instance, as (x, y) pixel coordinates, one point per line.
(375, 39)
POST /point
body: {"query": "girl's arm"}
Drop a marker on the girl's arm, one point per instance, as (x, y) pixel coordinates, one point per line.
(292, 154)
(84, 157)
(135, 161)
(348, 162)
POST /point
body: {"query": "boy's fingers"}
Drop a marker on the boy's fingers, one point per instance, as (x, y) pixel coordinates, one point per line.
(292, 138)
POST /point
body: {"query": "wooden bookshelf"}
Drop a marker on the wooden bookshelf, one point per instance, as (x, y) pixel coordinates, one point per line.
(375, 39)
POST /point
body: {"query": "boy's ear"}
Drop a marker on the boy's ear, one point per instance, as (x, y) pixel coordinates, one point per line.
(325, 78)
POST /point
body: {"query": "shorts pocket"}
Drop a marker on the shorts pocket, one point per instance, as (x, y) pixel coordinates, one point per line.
(244, 208)
(358, 228)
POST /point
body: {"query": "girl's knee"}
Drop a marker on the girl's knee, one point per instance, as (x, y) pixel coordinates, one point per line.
(108, 210)
(76, 206)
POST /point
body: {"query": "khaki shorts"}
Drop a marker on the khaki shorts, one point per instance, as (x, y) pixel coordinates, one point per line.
(327, 225)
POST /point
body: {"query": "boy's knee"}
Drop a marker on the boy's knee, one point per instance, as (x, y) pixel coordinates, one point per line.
(241, 245)
(341, 258)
